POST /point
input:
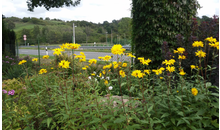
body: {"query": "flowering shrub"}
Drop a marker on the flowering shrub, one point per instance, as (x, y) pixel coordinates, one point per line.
(147, 98)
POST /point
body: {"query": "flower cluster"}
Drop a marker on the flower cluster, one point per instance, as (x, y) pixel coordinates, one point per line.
(197, 44)
(45, 57)
(213, 42)
(81, 57)
(74, 46)
(144, 62)
(64, 64)
(92, 61)
(117, 49)
(21, 62)
(12, 92)
(105, 58)
(35, 59)
(158, 71)
(200, 53)
(42, 71)
(138, 73)
(57, 51)
(122, 73)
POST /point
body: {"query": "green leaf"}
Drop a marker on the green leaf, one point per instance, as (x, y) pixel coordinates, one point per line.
(180, 113)
(173, 121)
(144, 122)
(150, 108)
(180, 122)
(165, 115)
(124, 83)
(186, 121)
(95, 120)
(48, 122)
(215, 94)
(214, 123)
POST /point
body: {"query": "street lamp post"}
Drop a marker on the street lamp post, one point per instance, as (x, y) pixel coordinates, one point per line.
(74, 33)
(106, 37)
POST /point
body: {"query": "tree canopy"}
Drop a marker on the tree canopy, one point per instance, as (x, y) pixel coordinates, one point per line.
(51, 3)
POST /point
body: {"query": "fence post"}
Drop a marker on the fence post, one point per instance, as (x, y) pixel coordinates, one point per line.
(17, 48)
(38, 51)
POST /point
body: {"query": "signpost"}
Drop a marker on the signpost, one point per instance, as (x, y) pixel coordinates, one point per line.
(25, 39)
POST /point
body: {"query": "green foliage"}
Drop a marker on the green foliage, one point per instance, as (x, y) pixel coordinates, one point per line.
(50, 4)
(57, 100)
(159, 21)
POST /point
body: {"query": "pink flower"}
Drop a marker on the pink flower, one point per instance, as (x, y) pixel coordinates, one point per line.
(12, 92)
(4, 91)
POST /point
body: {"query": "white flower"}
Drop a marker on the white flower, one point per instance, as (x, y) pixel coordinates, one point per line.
(89, 77)
(95, 79)
(110, 88)
(107, 78)
(94, 72)
(102, 77)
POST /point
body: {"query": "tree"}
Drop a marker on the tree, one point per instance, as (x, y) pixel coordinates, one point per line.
(10, 24)
(154, 22)
(124, 27)
(50, 3)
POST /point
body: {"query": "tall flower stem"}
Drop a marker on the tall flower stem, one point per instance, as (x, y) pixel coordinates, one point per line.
(41, 102)
(120, 86)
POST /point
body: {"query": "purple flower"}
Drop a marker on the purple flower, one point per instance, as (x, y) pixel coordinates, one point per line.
(7, 62)
(12, 92)
(9, 58)
(6, 56)
(4, 91)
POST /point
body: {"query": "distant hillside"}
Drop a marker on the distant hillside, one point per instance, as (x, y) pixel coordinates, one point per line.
(56, 31)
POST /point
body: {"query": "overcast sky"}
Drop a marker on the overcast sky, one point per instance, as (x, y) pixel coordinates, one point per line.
(95, 11)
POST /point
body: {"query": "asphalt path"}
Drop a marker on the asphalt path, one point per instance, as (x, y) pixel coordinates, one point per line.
(89, 55)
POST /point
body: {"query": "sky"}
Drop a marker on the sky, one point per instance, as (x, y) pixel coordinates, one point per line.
(96, 11)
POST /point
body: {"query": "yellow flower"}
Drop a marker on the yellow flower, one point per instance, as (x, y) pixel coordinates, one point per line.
(211, 39)
(100, 74)
(92, 61)
(115, 65)
(74, 46)
(35, 59)
(135, 73)
(124, 65)
(42, 71)
(21, 62)
(93, 74)
(146, 62)
(141, 75)
(57, 51)
(182, 57)
(192, 66)
(170, 69)
(130, 55)
(197, 44)
(64, 64)
(194, 91)
(51, 68)
(122, 73)
(169, 62)
(106, 82)
(216, 45)
(200, 53)
(182, 72)
(157, 72)
(177, 91)
(63, 46)
(175, 51)
(117, 49)
(147, 71)
(106, 58)
(104, 72)
(141, 59)
(180, 50)
(45, 57)
(161, 77)
(83, 68)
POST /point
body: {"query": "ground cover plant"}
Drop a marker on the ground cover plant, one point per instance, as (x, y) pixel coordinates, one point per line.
(72, 93)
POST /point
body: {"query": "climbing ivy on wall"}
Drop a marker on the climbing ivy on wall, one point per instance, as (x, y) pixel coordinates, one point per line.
(157, 21)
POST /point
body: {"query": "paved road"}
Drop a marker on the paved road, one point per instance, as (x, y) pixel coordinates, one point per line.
(89, 55)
